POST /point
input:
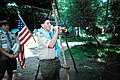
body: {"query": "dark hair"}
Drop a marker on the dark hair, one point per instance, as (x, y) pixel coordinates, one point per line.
(43, 19)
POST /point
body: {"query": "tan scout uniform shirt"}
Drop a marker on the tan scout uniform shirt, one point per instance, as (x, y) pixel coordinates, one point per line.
(44, 51)
(4, 43)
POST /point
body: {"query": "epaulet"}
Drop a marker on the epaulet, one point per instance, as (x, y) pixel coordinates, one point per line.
(41, 33)
(12, 33)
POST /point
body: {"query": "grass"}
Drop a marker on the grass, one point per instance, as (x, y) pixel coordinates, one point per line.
(79, 39)
(89, 49)
(82, 51)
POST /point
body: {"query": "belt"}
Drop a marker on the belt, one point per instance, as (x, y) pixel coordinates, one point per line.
(49, 59)
(10, 52)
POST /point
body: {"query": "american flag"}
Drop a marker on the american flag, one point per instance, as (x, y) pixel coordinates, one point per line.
(23, 35)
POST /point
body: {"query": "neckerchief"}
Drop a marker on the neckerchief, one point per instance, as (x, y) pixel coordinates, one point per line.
(49, 35)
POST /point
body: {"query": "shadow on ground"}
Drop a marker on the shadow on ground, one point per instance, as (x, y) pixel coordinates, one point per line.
(89, 69)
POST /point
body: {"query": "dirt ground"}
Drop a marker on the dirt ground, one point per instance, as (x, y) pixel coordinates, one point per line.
(89, 69)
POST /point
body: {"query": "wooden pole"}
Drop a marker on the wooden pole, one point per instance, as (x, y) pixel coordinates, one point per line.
(62, 49)
(67, 42)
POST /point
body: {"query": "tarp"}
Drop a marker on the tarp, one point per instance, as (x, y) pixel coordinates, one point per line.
(45, 4)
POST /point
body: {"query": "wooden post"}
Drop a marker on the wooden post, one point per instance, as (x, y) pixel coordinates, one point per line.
(67, 41)
(62, 49)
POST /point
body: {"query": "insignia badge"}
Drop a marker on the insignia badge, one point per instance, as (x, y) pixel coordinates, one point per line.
(41, 33)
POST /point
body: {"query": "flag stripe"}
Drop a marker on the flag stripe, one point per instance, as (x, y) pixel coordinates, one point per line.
(22, 31)
(22, 51)
(22, 63)
(19, 57)
(26, 40)
(24, 35)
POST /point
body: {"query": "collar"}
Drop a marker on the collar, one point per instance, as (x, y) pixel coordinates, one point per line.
(5, 32)
(44, 32)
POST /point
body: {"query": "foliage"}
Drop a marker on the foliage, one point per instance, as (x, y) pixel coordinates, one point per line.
(30, 15)
(93, 51)
(79, 12)
(82, 51)
(91, 14)
(79, 39)
(115, 20)
(104, 37)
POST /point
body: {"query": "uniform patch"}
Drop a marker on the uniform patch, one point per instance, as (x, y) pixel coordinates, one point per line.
(46, 41)
(4, 46)
(13, 38)
(4, 42)
(12, 33)
(41, 33)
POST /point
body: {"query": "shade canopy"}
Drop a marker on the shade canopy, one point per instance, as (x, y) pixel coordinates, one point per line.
(45, 4)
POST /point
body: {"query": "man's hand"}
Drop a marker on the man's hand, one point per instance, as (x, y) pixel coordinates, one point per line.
(56, 28)
(63, 29)
(16, 55)
(11, 56)
(60, 29)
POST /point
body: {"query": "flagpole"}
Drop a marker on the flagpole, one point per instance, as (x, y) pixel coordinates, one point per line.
(62, 49)
(25, 25)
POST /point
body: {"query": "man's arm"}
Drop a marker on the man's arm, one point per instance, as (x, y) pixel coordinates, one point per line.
(54, 39)
(17, 46)
(6, 53)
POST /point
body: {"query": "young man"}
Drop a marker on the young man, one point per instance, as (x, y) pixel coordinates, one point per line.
(7, 58)
(48, 48)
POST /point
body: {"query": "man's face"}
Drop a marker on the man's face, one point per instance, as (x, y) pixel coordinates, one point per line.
(47, 25)
(5, 27)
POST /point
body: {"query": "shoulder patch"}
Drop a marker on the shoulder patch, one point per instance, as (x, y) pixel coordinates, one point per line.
(41, 33)
(12, 33)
